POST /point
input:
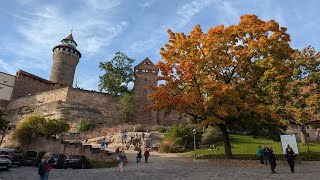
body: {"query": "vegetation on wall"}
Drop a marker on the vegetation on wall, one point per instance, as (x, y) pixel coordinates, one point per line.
(86, 125)
(36, 125)
(118, 73)
(3, 124)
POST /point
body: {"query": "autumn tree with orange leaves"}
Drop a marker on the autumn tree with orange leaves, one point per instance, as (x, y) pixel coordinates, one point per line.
(227, 76)
(303, 105)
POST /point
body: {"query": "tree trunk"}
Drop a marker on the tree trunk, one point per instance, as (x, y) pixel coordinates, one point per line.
(226, 141)
(303, 137)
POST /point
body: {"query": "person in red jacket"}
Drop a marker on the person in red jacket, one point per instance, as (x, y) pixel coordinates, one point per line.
(45, 167)
(146, 155)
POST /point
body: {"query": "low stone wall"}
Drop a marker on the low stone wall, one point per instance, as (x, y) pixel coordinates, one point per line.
(70, 148)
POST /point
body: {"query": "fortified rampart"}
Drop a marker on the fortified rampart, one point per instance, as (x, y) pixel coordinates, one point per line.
(67, 103)
(27, 84)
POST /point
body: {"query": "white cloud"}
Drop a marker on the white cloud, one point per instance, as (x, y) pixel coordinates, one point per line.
(7, 67)
(88, 83)
(146, 3)
(45, 28)
(184, 15)
(103, 4)
(187, 11)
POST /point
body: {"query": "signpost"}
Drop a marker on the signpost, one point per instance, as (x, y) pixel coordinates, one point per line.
(289, 139)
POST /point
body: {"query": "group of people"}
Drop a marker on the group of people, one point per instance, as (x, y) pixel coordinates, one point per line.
(122, 158)
(266, 155)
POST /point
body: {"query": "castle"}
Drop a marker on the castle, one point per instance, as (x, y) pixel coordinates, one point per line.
(25, 93)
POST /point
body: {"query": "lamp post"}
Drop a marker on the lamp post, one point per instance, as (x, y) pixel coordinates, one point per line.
(194, 141)
(304, 129)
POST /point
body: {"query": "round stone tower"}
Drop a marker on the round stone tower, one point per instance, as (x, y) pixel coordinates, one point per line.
(65, 60)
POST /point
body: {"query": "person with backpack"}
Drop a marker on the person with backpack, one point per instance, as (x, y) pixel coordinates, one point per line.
(290, 156)
(44, 167)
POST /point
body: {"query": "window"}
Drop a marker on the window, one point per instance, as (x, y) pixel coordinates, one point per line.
(145, 79)
(63, 48)
(139, 71)
(150, 70)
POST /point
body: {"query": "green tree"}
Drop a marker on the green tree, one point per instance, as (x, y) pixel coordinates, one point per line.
(303, 89)
(54, 127)
(36, 125)
(182, 135)
(128, 106)
(118, 74)
(3, 124)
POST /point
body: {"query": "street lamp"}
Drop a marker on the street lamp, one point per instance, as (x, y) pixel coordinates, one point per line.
(194, 141)
(304, 129)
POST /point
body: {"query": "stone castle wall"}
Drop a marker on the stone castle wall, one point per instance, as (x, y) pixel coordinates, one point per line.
(27, 84)
(69, 104)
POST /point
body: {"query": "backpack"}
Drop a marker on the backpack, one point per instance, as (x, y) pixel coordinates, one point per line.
(42, 168)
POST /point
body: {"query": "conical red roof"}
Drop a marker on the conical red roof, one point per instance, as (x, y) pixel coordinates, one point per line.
(70, 37)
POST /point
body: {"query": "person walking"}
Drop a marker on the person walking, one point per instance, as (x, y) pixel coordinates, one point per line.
(121, 159)
(266, 154)
(146, 155)
(260, 155)
(44, 167)
(290, 156)
(139, 156)
(272, 160)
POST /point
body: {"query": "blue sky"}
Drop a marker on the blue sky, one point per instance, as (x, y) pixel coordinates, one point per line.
(30, 29)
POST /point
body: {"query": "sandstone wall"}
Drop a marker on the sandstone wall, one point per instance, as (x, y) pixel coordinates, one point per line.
(69, 148)
(103, 107)
(27, 84)
(3, 104)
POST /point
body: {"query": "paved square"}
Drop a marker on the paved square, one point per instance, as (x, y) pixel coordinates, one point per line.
(169, 168)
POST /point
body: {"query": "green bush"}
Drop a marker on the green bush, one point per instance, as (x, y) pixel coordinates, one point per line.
(170, 147)
(86, 126)
(139, 128)
(211, 135)
(103, 164)
(159, 128)
(182, 135)
(35, 125)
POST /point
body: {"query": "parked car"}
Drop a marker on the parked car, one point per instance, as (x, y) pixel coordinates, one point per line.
(13, 155)
(33, 157)
(5, 163)
(58, 161)
(77, 161)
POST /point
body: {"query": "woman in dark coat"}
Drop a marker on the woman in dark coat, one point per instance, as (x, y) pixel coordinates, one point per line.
(290, 155)
(272, 160)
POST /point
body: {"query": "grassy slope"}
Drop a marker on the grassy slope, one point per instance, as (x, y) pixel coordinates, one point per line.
(245, 147)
